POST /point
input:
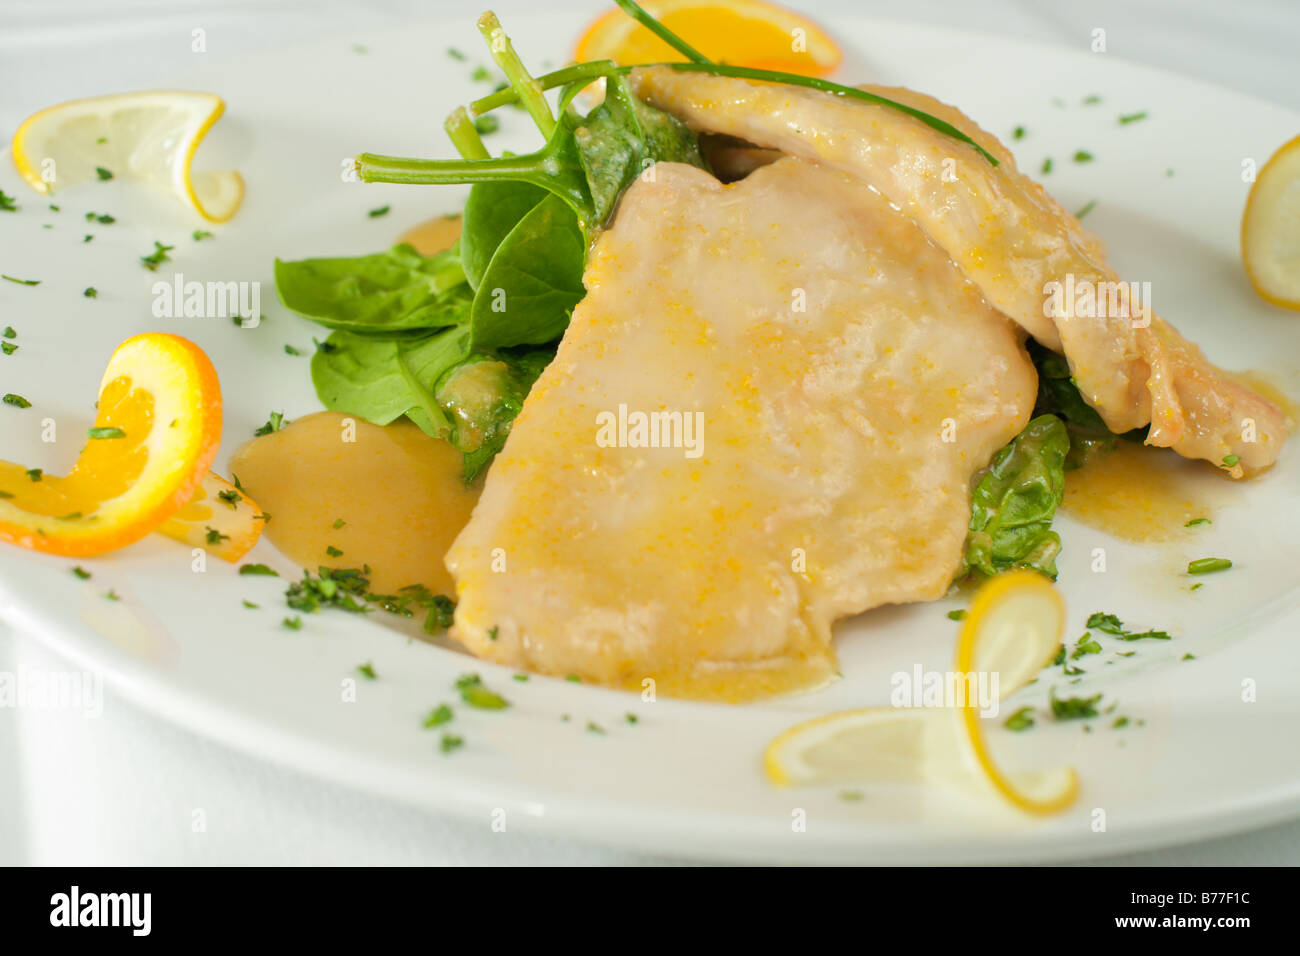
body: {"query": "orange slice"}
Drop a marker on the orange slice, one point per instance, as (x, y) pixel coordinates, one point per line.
(219, 518)
(738, 32)
(155, 434)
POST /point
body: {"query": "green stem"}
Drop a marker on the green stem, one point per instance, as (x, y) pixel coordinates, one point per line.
(598, 68)
(826, 86)
(634, 10)
(577, 73)
(529, 90)
(460, 129)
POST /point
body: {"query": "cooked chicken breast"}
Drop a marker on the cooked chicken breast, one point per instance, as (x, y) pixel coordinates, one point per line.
(1010, 238)
(836, 383)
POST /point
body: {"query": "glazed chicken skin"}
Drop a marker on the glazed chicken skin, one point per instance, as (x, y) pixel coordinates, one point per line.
(1008, 237)
(849, 382)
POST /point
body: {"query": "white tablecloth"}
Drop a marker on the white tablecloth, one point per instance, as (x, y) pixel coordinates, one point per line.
(123, 789)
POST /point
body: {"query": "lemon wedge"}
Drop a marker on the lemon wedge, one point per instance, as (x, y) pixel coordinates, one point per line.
(1012, 629)
(149, 137)
(1270, 229)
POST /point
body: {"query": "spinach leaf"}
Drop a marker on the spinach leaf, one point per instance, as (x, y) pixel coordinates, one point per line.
(491, 211)
(1059, 396)
(533, 280)
(381, 379)
(387, 291)
(1014, 502)
(482, 396)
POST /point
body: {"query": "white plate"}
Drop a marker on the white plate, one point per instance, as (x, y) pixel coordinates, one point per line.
(686, 778)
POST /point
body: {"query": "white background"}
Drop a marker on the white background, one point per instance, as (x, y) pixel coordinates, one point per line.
(123, 789)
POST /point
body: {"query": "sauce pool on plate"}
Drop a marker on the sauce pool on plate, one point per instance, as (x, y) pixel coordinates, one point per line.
(392, 497)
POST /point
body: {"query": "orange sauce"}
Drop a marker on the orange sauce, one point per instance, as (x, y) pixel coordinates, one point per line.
(434, 235)
(1143, 494)
(397, 492)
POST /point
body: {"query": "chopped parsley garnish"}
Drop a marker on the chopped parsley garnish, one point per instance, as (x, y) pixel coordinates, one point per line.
(1047, 165)
(342, 588)
(103, 218)
(1231, 461)
(338, 523)
(492, 633)
(440, 715)
(157, 257)
(1197, 585)
(1018, 133)
(574, 679)
(215, 537)
(1195, 521)
(476, 694)
(81, 573)
(20, 281)
(455, 54)
(1120, 722)
(1199, 566)
(1086, 645)
(7, 203)
(1106, 622)
(451, 742)
(6, 494)
(17, 401)
(333, 552)
(1132, 118)
(260, 569)
(1092, 100)
(290, 350)
(522, 678)
(9, 332)
(1088, 207)
(34, 474)
(86, 238)
(103, 174)
(1074, 708)
(595, 728)
(367, 670)
(481, 74)
(103, 432)
(488, 124)
(112, 595)
(91, 293)
(250, 604)
(1082, 156)
(1022, 719)
(380, 211)
(273, 424)
(198, 235)
(1189, 656)
(230, 497)
(293, 623)
(958, 615)
(631, 718)
(8, 347)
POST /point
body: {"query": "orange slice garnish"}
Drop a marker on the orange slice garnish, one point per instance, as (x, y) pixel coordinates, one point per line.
(156, 432)
(219, 518)
(737, 32)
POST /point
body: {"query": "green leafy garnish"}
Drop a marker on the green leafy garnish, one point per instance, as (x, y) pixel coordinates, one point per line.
(103, 432)
(103, 174)
(440, 715)
(1073, 708)
(1208, 565)
(1083, 156)
(18, 281)
(1022, 719)
(91, 293)
(230, 497)
(273, 424)
(157, 257)
(380, 211)
(1196, 521)
(8, 347)
(450, 742)
(81, 573)
(258, 569)
(367, 670)
(1014, 502)
(198, 235)
(476, 694)
(17, 401)
(215, 537)
(1127, 118)
(293, 623)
